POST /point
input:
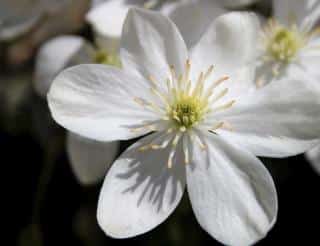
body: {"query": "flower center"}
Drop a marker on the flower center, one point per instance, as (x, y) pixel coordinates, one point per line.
(281, 46)
(285, 44)
(103, 57)
(186, 112)
(186, 106)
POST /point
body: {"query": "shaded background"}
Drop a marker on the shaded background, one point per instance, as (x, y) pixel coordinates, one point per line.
(61, 211)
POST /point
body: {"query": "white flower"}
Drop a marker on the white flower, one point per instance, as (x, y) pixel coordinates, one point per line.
(66, 50)
(290, 41)
(204, 128)
(291, 44)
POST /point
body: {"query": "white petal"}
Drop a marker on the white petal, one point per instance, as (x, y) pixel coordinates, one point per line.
(107, 20)
(232, 194)
(310, 58)
(281, 119)
(313, 157)
(193, 18)
(90, 159)
(57, 54)
(150, 44)
(228, 44)
(304, 13)
(97, 102)
(139, 191)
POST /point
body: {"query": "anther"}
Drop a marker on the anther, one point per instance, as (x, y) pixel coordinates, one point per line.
(208, 73)
(153, 80)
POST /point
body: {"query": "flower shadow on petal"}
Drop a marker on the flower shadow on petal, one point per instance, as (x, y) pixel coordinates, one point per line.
(151, 177)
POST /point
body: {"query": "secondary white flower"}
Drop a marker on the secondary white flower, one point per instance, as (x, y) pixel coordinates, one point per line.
(290, 41)
(205, 128)
(291, 44)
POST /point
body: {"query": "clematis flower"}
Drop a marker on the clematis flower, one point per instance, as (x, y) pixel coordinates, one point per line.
(290, 40)
(291, 44)
(66, 50)
(202, 125)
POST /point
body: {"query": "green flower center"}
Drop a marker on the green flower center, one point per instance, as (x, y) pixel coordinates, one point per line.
(283, 43)
(186, 111)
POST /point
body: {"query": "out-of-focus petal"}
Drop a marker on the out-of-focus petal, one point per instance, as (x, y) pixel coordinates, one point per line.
(193, 18)
(57, 54)
(107, 20)
(304, 13)
(90, 159)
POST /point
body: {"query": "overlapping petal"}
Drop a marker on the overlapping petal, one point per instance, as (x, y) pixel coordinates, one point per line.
(231, 192)
(279, 120)
(228, 44)
(96, 101)
(193, 18)
(90, 159)
(139, 191)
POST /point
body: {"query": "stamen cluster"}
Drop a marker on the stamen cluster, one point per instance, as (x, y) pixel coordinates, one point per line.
(283, 43)
(185, 105)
